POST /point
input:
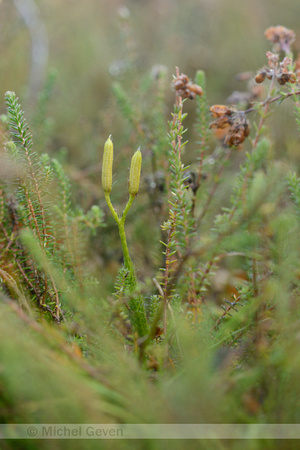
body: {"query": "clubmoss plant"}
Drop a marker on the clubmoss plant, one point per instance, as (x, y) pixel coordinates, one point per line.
(134, 180)
(136, 305)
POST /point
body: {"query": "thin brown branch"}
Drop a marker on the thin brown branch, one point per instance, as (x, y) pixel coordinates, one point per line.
(268, 101)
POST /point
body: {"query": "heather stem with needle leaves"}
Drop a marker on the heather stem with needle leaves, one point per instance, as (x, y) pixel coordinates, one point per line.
(180, 225)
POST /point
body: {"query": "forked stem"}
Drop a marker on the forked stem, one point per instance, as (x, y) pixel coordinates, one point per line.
(121, 225)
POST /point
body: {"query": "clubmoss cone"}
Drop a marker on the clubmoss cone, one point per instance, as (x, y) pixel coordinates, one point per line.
(135, 173)
(107, 163)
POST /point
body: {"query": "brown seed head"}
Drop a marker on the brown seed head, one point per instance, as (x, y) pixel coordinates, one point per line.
(281, 36)
(185, 89)
(197, 90)
(230, 125)
(221, 110)
(261, 76)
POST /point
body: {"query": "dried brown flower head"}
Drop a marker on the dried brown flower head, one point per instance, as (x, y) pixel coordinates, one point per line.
(239, 130)
(280, 71)
(281, 37)
(261, 76)
(230, 125)
(285, 75)
(185, 88)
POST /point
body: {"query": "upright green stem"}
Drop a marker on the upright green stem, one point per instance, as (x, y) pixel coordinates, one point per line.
(121, 225)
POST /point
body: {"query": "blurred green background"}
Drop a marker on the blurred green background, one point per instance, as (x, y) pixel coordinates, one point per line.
(89, 45)
(86, 45)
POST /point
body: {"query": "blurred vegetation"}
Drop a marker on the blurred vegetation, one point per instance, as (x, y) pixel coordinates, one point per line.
(213, 232)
